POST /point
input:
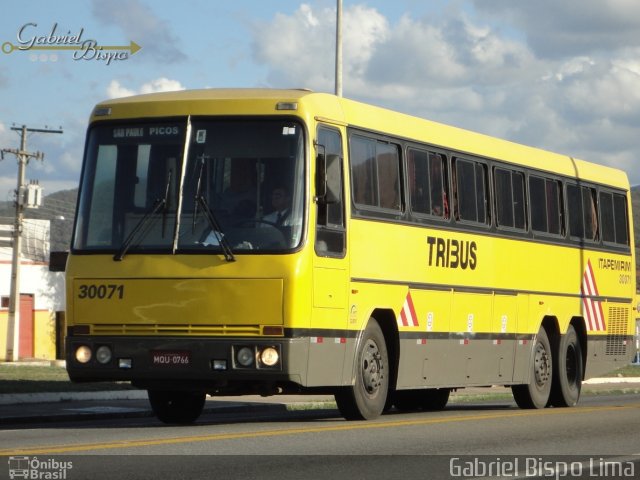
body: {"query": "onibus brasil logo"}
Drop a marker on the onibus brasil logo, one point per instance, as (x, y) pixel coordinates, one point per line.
(29, 38)
(40, 469)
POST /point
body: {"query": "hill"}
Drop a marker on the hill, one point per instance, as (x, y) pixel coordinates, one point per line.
(59, 208)
(635, 205)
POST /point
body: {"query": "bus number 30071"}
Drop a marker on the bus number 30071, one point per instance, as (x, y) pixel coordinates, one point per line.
(101, 292)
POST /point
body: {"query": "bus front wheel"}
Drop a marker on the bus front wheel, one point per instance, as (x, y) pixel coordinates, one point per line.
(176, 406)
(536, 393)
(366, 398)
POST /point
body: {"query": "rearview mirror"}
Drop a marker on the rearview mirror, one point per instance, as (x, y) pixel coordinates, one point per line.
(328, 178)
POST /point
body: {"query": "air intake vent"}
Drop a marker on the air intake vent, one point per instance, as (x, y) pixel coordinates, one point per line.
(617, 331)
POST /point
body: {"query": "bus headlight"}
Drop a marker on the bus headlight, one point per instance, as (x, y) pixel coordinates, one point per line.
(269, 357)
(244, 356)
(103, 354)
(83, 354)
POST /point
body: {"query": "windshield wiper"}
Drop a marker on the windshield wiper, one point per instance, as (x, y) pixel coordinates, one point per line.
(159, 203)
(143, 221)
(211, 218)
(217, 230)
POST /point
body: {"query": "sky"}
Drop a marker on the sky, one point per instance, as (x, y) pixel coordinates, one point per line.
(559, 75)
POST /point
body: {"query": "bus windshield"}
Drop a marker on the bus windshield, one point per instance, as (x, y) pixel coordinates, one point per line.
(197, 185)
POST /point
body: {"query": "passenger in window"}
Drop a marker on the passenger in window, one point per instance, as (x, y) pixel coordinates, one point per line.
(593, 217)
(445, 204)
(441, 209)
(454, 192)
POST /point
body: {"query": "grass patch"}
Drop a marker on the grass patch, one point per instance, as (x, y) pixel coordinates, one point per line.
(628, 371)
(38, 379)
(303, 406)
(480, 397)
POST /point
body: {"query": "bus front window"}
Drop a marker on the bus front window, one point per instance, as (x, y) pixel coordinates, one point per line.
(130, 181)
(241, 190)
(248, 176)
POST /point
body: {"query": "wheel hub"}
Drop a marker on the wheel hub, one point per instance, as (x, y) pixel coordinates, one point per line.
(542, 365)
(372, 368)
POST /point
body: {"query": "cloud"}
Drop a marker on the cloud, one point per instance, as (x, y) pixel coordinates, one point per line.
(609, 88)
(570, 27)
(140, 24)
(453, 52)
(561, 76)
(3, 133)
(116, 90)
(299, 49)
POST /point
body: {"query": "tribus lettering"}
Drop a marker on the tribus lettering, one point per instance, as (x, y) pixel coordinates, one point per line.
(451, 253)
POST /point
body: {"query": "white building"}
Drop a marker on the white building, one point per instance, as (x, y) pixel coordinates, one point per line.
(41, 292)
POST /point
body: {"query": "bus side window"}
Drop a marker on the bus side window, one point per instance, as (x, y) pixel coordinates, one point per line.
(574, 207)
(471, 190)
(375, 174)
(509, 198)
(545, 205)
(388, 163)
(620, 213)
(589, 204)
(583, 212)
(606, 216)
(427, 183)
(613, 218)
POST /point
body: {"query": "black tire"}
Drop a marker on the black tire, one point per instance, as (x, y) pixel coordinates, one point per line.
(176, 406)
(408, 400)
(430, 399)
(567, 372)
(434, 399)
(366, 399)
(537, 392)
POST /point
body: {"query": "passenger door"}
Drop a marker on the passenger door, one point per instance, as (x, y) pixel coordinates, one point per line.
(330, 272)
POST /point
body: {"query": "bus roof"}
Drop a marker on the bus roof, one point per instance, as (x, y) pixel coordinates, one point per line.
(356, 114)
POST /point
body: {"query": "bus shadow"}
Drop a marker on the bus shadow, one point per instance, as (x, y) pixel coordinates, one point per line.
(111, 416)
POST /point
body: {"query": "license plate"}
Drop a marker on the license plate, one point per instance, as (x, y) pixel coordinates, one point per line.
(170, 358)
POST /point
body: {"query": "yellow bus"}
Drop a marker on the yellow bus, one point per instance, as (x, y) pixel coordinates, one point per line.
(232, 242)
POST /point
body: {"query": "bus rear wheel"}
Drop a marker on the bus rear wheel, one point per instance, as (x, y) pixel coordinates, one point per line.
(567, 375)
(435, 399)
(536, 393)
(366, 398)
(176, 406)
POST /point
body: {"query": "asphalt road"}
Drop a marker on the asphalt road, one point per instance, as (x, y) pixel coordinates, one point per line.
(598, 439)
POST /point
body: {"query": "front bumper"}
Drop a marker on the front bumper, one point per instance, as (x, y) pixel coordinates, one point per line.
(190, 363)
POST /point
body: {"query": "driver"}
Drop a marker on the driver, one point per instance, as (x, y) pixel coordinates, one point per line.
(281, 203)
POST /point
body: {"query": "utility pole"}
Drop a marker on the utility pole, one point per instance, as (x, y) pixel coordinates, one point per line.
(13, 324)
(339, 48)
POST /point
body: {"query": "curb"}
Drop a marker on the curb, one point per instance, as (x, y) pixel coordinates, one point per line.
(610, 380)
(54, 397)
